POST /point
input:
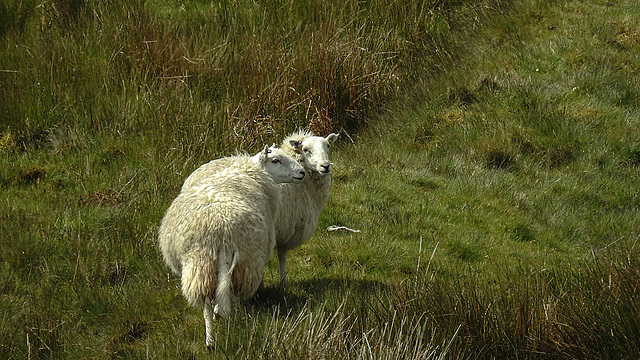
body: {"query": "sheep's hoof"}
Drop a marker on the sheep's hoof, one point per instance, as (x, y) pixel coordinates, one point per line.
(210, 343)
(284, 281)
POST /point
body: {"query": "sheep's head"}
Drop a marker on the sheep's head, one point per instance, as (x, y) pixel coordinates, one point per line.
(315, 152)
(282, 167)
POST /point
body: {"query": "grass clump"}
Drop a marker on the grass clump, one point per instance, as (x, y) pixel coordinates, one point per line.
(30, 175)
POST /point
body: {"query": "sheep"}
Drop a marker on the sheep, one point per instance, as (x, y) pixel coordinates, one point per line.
(297, 220)
(219, 232)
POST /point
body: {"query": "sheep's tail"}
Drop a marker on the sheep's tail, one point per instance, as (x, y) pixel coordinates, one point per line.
(227, 259)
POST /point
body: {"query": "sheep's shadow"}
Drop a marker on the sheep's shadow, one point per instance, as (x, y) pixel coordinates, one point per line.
(299, 294)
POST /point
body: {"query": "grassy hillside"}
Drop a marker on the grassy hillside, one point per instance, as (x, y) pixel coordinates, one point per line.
(517, 179)
(490, 158)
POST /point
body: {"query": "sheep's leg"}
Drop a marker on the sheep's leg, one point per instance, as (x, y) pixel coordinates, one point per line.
(282, 260)
(208, 321)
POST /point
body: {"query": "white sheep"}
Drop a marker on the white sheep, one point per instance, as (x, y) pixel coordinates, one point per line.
(219, 232)
(297, 220)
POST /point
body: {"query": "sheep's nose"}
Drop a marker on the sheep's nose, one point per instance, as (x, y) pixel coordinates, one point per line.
(302, 173)
(326, 168)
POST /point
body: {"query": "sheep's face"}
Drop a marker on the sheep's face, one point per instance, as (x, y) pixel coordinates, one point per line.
(315, 152)
(282, 167)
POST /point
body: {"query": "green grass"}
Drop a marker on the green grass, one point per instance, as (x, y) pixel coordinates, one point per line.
(489, 157)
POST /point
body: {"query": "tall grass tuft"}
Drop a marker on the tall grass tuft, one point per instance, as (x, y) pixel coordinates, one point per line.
(323, 332)
(534, 314)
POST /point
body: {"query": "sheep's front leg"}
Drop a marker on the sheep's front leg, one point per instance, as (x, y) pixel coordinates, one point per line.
(208, 321)
(282, 260)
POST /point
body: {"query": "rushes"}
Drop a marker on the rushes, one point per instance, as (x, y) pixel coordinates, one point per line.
(244, 71)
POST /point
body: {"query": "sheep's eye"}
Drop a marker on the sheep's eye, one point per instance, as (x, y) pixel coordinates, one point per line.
(275, 161)
(306, 150)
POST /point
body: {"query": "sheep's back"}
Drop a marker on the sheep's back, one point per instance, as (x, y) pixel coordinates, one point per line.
(210, 169)
(237, 206)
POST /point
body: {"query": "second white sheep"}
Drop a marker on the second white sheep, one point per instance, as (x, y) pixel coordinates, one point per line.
(297, 220)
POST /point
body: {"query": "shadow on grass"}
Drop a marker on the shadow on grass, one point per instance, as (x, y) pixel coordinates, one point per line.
(331, 291)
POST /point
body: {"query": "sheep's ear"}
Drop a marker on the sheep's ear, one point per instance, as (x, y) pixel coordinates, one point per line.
(332, 137)
(296, 145)
(264, 154)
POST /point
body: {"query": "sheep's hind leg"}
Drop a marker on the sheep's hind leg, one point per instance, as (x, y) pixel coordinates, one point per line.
(282, 260)
(208, 321)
